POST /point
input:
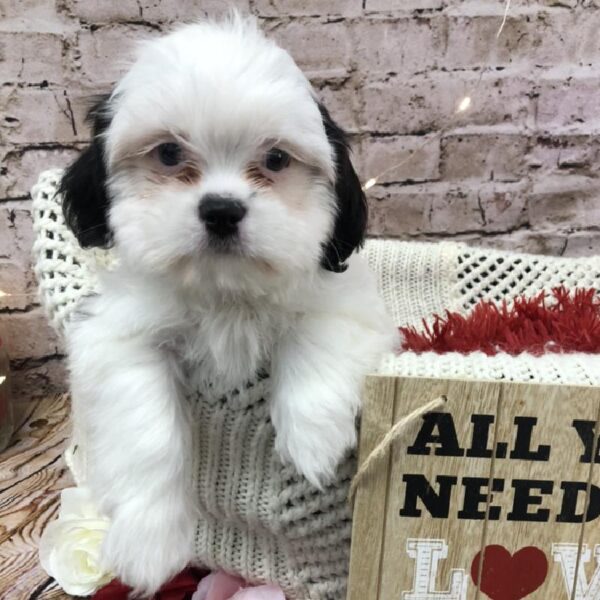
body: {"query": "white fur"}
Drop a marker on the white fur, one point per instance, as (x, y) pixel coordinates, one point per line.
(173, 304)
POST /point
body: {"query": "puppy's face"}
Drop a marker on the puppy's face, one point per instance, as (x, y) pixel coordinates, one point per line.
(215, 155)
(175, 205)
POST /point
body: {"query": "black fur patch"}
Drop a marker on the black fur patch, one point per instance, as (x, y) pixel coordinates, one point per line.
(83, 186)
(351, 221)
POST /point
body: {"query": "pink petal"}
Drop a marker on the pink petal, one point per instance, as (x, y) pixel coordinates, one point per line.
(262, 592)
(218, 586)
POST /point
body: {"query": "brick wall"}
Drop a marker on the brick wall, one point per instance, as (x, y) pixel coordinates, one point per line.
(519, 170)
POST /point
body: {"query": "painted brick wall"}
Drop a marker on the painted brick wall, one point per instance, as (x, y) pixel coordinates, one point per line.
(519, 170)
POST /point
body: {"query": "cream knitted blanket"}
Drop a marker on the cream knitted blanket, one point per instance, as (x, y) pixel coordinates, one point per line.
(258, 518)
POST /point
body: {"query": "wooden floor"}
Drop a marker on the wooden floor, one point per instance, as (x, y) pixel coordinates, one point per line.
(32, 473)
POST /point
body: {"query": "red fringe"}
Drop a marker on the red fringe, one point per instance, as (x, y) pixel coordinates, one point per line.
(568, 323)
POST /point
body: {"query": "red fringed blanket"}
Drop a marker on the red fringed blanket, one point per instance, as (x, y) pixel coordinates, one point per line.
(560, 322)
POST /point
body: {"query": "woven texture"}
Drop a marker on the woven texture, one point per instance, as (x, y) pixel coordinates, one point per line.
(65, 272)
(258, 518)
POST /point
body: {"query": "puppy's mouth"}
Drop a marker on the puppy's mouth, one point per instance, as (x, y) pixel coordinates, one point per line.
(232, 250)
(230, 244)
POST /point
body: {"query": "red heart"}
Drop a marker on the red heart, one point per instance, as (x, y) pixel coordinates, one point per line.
(506, 577)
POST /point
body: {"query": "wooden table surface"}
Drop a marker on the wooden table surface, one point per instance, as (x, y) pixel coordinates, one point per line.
(32, 473)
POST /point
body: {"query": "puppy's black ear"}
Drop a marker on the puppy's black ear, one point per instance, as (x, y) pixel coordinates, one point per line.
(351, 220)
(83, 186)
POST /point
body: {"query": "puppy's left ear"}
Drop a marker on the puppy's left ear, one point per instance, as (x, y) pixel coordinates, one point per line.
(83, 186)
(351, 220)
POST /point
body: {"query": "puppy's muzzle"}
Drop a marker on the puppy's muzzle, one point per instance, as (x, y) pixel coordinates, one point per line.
(221, 215)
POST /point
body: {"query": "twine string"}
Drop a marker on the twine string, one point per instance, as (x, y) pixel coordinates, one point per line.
(506, 11)
(393, 435)
(462, 106)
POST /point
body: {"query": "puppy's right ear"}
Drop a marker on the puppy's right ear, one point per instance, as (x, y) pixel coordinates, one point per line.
(83, 187)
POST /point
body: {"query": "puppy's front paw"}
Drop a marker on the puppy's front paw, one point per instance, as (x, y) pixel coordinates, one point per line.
(146, 546)
(315, 448)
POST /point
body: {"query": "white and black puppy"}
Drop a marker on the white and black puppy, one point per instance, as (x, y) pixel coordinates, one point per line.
(228, 194)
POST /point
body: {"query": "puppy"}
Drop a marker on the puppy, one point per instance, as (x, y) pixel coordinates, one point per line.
(229, 197)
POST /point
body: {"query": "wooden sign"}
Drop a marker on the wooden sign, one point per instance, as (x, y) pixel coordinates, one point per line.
(496, 496)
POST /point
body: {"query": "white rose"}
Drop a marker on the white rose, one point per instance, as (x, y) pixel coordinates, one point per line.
(70, 546)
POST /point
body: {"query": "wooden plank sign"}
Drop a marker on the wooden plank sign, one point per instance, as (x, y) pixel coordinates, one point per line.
(494, 496)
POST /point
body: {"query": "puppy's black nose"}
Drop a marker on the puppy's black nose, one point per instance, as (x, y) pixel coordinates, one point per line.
(221, 214)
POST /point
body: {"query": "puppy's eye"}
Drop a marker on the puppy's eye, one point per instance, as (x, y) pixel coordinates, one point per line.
(277, 160)
(169, 154)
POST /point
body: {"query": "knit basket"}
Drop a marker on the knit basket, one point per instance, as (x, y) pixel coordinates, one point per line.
(258, 518)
